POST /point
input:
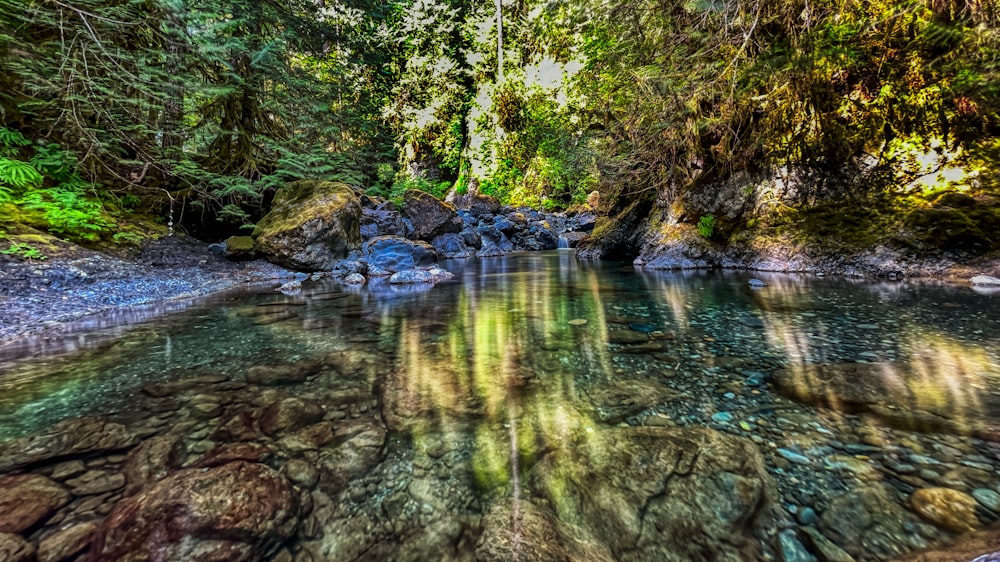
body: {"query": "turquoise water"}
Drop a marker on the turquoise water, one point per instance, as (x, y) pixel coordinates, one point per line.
(476, 384)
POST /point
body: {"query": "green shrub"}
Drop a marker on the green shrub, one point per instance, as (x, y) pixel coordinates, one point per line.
(706, 225)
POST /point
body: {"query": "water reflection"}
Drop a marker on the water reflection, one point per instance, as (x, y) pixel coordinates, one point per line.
(598, 403)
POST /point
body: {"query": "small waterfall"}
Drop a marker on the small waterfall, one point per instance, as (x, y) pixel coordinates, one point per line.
(563, 243)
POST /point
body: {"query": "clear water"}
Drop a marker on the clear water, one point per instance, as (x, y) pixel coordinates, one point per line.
(471, 384)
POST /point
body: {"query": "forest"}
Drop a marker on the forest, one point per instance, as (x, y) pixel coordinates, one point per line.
(118, 117)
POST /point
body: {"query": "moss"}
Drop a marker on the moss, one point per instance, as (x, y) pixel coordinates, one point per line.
(239, 244)
(947, 229)
(287, 211)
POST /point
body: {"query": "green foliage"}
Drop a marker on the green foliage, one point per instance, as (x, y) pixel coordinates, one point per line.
(437, 189)
(706, 225)
(127, 239)
(26, 251)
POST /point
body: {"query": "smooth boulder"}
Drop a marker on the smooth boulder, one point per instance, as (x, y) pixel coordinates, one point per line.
(310, 226)
(27, 500)
(388, 254)
(650, 493)
(236, 512)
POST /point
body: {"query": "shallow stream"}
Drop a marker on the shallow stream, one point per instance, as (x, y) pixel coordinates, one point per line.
(539, 407)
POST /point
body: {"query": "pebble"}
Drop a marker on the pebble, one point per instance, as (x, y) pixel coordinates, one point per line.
(988, 498)
(722, 417)
(577, 322)
(946, 508)
(792, 456)
(791, 550)
(806, 516)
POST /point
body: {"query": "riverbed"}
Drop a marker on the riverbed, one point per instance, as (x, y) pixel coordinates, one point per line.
(534, 404)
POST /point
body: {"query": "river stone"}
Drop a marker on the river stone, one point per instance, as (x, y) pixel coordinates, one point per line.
(310, 226)
(230, 452)
(301, 472)
(361, 449)
(389, 254)
(452, 245)
(901, 395)
(13, 548)
(414, 276)
(236, 512)
(28, 499)
(239, 247)
(289, 414)
(869, 523)
(653, 493)
(980, 546)
(946, 508)
(75, 436)
(790, 549)
(95, 482)
(381, 222)
(984, 280)
(150, 461)
(64, 543)
(430, 217)
(988, 498)
(531, 533)
(274, 375)
(613, 402)
(476, 203)
(827, 551)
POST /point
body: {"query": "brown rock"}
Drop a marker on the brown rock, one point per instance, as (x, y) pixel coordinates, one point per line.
(301, 472)
(430, 217)
(230, 452)
(273, 375)
(74, 436)
(165, 389)
(902, 395)
(289, 414)
(66, 542)
(362, 449)
(150, 461)
(310, 438)
(651, 493)
(533, 534)
(95, 482)
(612, 403)
(869, 523)
(28, 499)
(13, 548)
(236, 512)
(241, 426)
(946, 508)
(967, 547)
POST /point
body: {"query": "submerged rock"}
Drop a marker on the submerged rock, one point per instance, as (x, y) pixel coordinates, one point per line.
(236, 512)
(869, 523)
(902, 395)
(652, 493)
(75, 436)
(526, 532)
(310, 226)
(27, 500)
(946, 508)
(13, 548)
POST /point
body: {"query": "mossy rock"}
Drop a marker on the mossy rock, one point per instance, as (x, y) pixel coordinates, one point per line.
(947, 229)
(239, 247)
(311, 225)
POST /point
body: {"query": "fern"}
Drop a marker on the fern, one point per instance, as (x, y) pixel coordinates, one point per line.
(11, 141)
(19, 174)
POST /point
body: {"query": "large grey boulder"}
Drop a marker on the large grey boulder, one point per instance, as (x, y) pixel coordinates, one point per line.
(311, 225)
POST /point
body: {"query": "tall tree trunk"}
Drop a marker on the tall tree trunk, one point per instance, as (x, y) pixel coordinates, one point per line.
(499, 9)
